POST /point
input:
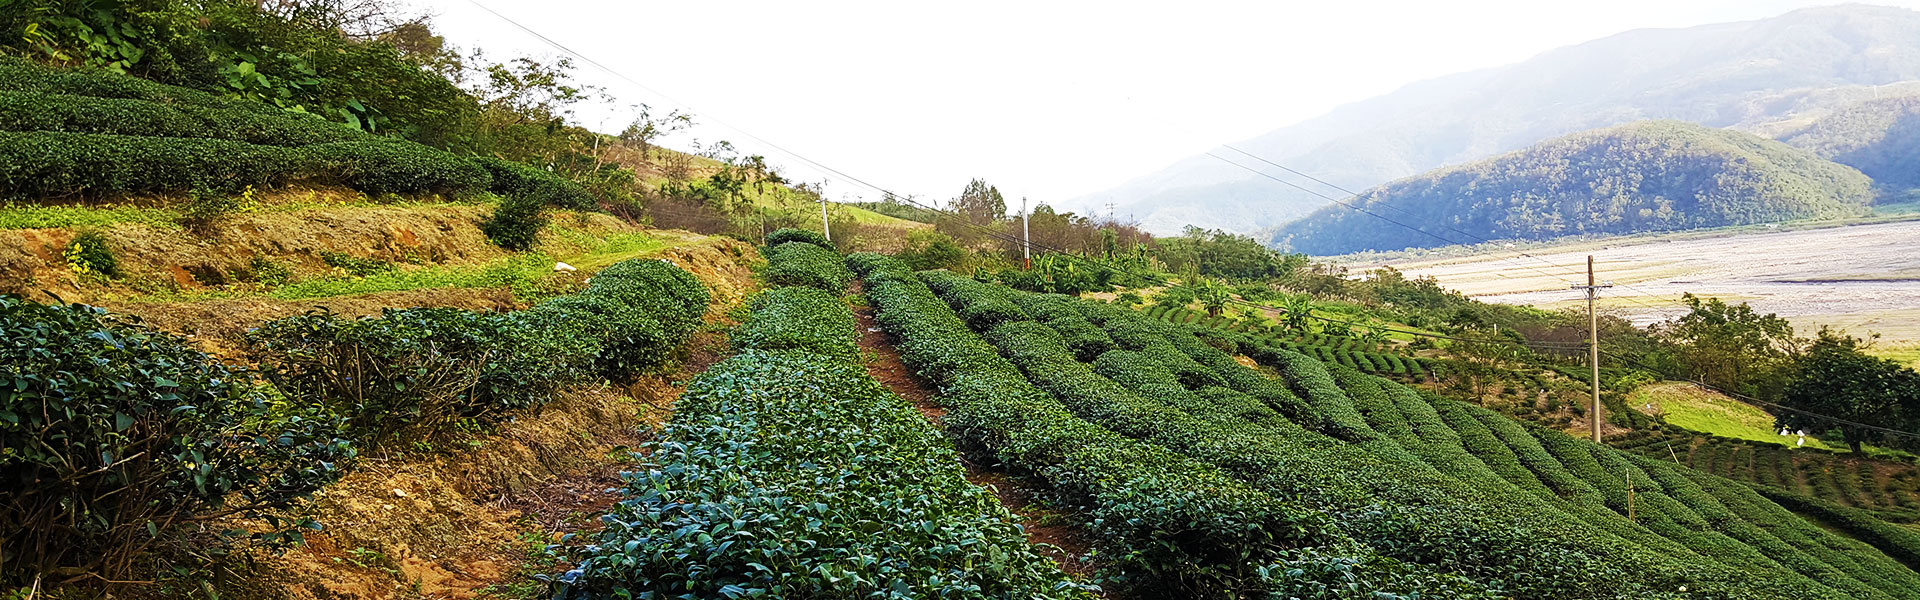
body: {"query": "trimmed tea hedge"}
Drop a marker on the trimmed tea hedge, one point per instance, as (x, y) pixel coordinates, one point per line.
(788, 472)
(789, 234)
(800, 318)
(1170, 525)
(415, 371)
(804, 264)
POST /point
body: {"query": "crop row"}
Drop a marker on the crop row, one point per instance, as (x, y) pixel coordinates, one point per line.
(66, 131)
(1169, 524)
(1344, 351)
(1377, 497)
(416, 371)
(788, 472)
(1889, 489)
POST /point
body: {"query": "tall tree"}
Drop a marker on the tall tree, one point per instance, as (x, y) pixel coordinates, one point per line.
(1731, 346)
(982, 203)
(1835, 378)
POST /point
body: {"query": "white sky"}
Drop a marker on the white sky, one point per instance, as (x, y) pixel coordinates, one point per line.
(1047, 100)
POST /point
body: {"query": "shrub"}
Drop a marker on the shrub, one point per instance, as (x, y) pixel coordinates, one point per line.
(43, 164)
(89, 254)
(782, 236)
(415, 372)
(27, 111)
(515, 224)
(537, 187)
(807, 264)
(116, 436)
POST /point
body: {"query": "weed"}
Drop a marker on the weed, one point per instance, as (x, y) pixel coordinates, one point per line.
(89, 255)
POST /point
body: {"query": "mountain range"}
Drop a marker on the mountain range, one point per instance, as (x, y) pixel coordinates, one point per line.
(1776, 77)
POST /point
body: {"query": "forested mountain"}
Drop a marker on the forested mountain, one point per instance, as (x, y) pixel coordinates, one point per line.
(1737, 75)
(1647, 176)
(1880, 137)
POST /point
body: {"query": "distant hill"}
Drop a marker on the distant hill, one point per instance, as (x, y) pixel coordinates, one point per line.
(1880, 137)
(1740, 75)
(1647, 176)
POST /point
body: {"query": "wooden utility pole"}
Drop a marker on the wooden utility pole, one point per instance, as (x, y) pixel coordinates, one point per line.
(1593, 341)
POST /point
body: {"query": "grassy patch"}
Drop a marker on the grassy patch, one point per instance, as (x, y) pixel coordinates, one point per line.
(523, 273)
(59, 217)
(1703, 411)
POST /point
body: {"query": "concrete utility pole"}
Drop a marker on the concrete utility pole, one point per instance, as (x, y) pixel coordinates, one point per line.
(823, 219)
(1593, 341)
(1026, 236)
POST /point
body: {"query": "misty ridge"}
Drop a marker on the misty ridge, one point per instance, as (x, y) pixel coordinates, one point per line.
(1779, 78)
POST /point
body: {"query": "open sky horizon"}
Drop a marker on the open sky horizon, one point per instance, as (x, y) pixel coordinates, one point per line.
(1049, 101)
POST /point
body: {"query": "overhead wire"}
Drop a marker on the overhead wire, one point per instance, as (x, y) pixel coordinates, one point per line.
(825, 169)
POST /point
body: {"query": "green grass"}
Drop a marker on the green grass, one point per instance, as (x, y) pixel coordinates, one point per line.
(27, 216)
(1707, 412)
(523, 273)
(55, 217)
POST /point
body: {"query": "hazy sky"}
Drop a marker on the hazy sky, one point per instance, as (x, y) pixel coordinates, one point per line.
(1047, 100)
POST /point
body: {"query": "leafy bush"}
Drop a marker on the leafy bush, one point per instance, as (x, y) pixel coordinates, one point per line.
(800, 318)
(806, 264)
(781, 236)
(796, 475)
(525, 192)
(89, 254)
(116, 436)
(415, 372)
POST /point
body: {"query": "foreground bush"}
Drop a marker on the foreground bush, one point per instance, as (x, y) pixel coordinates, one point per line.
(804, 264)
(114, 438)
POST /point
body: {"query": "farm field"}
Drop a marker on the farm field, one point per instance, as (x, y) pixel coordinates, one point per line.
(1864, 278)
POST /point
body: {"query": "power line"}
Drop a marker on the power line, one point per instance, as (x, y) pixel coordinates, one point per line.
(908, 199)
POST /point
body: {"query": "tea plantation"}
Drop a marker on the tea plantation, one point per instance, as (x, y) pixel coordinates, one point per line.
(1410, 492)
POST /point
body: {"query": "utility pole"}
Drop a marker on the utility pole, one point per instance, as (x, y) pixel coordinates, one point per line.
(1593, 341)
(823, 219)
(1026, 236)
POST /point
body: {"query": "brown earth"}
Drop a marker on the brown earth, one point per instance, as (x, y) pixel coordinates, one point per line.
(1059, 539)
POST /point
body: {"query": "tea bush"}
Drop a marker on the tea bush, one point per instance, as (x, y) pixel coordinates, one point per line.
(1414, 494)
(805, 264)
(525, 192)
(800, 318)
(788, 472)
(415, 372)
(789, 234)
(26, 111)
(42, 164)
(114, 437)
